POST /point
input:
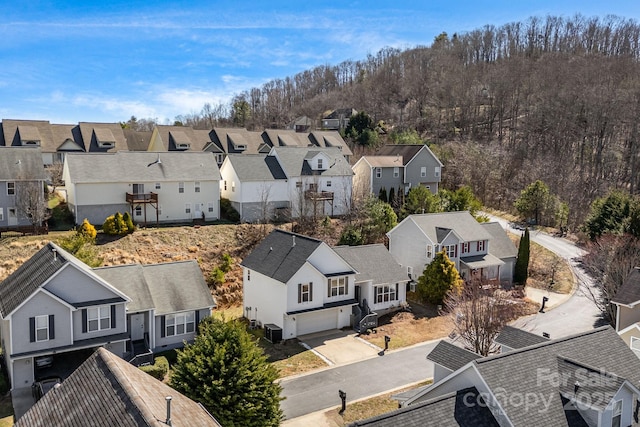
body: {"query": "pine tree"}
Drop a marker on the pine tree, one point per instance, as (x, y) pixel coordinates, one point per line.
(382, 195)
(438, 278)
(521, 271)
(228, 374)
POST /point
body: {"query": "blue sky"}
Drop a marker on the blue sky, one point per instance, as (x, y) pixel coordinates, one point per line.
(72, 61)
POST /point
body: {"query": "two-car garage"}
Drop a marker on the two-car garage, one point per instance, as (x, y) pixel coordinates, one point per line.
(317, 321)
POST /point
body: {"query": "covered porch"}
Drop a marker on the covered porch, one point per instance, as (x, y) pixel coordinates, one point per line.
(481, 267)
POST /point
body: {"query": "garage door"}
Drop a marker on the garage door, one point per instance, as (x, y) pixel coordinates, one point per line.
(317, 321)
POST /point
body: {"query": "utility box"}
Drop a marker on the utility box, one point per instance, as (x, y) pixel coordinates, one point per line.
(272, 333)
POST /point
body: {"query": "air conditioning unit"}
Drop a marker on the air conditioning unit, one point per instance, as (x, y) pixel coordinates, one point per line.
(272, 333)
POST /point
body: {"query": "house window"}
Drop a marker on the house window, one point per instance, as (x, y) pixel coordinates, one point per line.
(436, 172)
(210, 207)
(319, 163)
(451, 251)
(298, 184)
(158, 186)
(42, 328)
(1, 214)
(429, 251)
(11, 188)
(187, 208)
(328, 184)
(480, 246)
(305, 292)
(616, 416)
(233, 186)
(465, 247)
(197, 186)
(99, 318)
(423, 171)
(181, 187)
(180, 323)
(225, 185)
(337, 286)
(378, 172)
(410, 272)
(138, 210)
(248, 275)
(396, 172)
(385, 293)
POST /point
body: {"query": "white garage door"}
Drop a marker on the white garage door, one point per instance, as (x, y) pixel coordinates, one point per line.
(317, 321)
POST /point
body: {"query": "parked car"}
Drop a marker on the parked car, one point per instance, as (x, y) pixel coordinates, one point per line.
(41, 387)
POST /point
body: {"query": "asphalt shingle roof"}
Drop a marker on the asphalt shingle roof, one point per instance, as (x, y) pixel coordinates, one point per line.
(21, 164)
(92, 132)
(452, 409)
(629, 292)
(463, 223)
(384, 161)
(108, 391)
(168, 287)
(126, 166)
(501, 245)
(518, 338)
(451, 356)
(256, 167)
(373, 262)
(294, 164)
(278, 257)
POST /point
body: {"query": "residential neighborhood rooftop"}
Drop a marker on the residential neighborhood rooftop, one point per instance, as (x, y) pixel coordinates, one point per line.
(629, 291)
(518, 338)
(373, 262)
(451, 356)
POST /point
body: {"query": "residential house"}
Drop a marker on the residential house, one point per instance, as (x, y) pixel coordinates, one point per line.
(400, 167)
(380, 283)
(588, 379)
(338, 119)
(302, 124)
(102, 137)
(22, 180)
(295, 181)
(178, 138)
(153, 187)
(627, 306)
(418, 238)
(502, 247)
(323, 139)
(510, 339)
(54, 304)
(107, 391)
(298, 285)
(166, 304)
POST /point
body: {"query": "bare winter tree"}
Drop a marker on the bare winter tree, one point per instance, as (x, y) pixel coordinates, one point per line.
(479, 313)
(264, 194)
(31, 202)
(55, 172)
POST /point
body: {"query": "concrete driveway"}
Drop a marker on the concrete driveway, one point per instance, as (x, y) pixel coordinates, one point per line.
(339, 347)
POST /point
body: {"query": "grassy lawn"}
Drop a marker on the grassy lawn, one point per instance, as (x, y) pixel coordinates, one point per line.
(367, 408)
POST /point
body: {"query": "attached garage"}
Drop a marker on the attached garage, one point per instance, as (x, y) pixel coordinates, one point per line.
(316, 321)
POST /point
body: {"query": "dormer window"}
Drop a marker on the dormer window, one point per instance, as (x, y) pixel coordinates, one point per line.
(183, 146)
(31, 142)
(320, 163)
(106, 144)
(240, 147)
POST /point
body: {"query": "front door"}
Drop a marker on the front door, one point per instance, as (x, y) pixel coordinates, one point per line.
(138, 188)
(198, 211)
(13, 217)
(137, 326)
(357, 290)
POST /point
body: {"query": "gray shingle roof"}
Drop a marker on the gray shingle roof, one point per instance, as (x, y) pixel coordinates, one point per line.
(373, 262)
(517, 338)
(21, 164)
(293, 161)
(277, 256)
(107, 391)
(126, 166)
(451, 356)
(92, 132)
(384, 161)
(452, 409)
(501, 245)
(629, 292)
(256, 167)
(168, 287)
(463, 223)
(405, 151)
(30, 276)
(227, 139)
(137, 140)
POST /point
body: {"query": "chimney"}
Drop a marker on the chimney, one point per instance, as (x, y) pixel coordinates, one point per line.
(168, 422)
(294, 241)
(55, 254)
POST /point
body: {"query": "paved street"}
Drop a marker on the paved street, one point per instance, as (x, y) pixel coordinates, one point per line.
(316, 391)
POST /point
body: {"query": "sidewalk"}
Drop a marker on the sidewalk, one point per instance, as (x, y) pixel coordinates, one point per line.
(554, 298)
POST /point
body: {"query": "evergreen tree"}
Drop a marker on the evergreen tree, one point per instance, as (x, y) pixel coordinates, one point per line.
(438, 278)
(228, 374)
(128, 222)
(392, 198)
(382, 195)
(521, 270)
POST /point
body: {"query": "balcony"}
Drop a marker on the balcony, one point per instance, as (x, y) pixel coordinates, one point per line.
(318, 195)
(134, 198)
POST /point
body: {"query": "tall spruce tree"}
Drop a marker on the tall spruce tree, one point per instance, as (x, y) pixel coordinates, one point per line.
(521, 272)
(439, 277)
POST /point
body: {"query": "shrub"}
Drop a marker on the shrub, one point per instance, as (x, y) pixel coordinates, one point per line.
(61, 217)
(87, 230)
(351, 236)
(82, 248)
(128, 221)
(227, 211)
(216, 277)
(159, 368)
(115, 225)
(227, 263)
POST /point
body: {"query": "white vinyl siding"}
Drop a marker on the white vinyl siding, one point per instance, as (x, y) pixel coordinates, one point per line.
(42, 328)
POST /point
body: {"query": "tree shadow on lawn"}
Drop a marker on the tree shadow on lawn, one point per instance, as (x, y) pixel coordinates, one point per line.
(278, 351)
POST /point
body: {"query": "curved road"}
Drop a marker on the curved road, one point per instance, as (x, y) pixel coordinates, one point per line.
(317, 391)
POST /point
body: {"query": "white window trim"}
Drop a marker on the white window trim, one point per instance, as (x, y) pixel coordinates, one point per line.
(378, 172)
(11, 188)
(94, 314)
(618, 413)
(303, 292)
(180, 319)
(423, 171)
(158, 186)
(187, 208)
(196, 186)
(338, 286)
(138, 211)
(382, 291)
(210, 206)
(1, 214)
(451, 251)
(181, 187)
(46, 327)
(396, 171)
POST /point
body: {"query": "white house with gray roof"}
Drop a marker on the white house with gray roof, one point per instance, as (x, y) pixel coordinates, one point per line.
(588, 379)
(165, 187)
(54, 304)
(416, 240)
(292, 181)
(297, 284)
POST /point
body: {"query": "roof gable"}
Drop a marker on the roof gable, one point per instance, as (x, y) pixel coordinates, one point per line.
(372, 262)
(451, 356)
(629, 292)
(462, 223)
